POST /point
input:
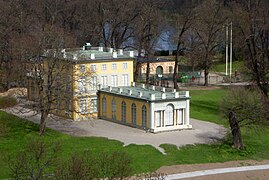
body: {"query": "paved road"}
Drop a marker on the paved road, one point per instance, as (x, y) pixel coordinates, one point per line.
(216, 171)
(202, 132)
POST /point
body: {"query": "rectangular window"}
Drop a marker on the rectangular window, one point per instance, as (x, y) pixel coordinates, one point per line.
(82, 68)
(83, 105)
(93, 67)
(170, 69)
(125, 80)
(158, 118)
(114, 66)
(103, 66)
(114, 80)
(82, 85)
(124, 66)
(104, 81)
(179, 116)
(93, 83)
(93, 105)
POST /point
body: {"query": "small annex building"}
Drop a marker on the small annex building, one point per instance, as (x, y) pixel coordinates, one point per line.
(151, 108)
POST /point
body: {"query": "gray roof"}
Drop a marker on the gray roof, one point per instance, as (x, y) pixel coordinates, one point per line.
(95, 53)
(151, 93)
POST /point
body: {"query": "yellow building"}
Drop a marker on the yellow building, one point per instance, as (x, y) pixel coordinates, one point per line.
(158, 67)
(152, 108)
(80, 73)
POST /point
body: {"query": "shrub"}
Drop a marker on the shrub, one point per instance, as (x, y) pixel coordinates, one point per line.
(7, 101)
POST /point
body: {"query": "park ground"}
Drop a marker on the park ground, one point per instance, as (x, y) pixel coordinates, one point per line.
(204, 106)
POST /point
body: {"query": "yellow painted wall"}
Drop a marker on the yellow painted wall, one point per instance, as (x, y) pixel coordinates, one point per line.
(75, 74)
(34, 92)
(89, 73)
(128, 101)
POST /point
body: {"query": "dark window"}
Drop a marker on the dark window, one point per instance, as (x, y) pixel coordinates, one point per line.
(144, 116)
(113, 109)
(123, 111)
(104, 106)
(133, 113)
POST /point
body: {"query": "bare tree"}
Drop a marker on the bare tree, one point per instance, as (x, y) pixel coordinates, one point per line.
(35, 161)
(207, 26)
(251, 19)
(147, 30)
(182, 21)
(48, 72)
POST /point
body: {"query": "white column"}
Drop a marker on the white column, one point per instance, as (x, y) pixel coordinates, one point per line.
(162, 118)
(152, 116)
(175, 117)
(187, 110)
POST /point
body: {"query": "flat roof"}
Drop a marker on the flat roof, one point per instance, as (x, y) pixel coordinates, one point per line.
(93, 54)
(150, 93)
(153, 60)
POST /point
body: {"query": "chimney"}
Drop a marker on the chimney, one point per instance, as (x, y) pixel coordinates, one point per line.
(163, 89)
(115, 54)
(176, 94)
(92, 56)
(120, 51)
(110, 88)
(163, 96)
(140, 94)
(133, 84)
(120, 90)
(143, 86)
(88, 46)
(131, 53)
(187, 94)
(153, 88)
(100, 49)
(75, 57)
(152, 97)
(63, 52)
(129, 91)
(110, 50)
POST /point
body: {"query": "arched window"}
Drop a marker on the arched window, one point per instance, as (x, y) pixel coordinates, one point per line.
(133, 113)
(123, 111)
(144, 116)
(104, 106)
(113, 109)
(169, 115)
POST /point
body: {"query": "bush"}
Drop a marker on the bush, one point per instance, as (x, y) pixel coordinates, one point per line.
(115, 165)
(7, 101)
(35, 161)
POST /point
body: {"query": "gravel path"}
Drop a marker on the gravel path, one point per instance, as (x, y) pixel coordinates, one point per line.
(202, 132)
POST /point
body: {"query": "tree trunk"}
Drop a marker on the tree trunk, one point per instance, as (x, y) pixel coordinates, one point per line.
(42, 126)
(206, 77)
(175, 72)
(147, 73)
(235, 128)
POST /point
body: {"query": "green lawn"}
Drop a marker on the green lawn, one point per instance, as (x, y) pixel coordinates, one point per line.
(221, 67)
(204, 105)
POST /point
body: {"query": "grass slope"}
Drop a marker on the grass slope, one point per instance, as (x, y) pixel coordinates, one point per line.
(205, 105)
(144, 157)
